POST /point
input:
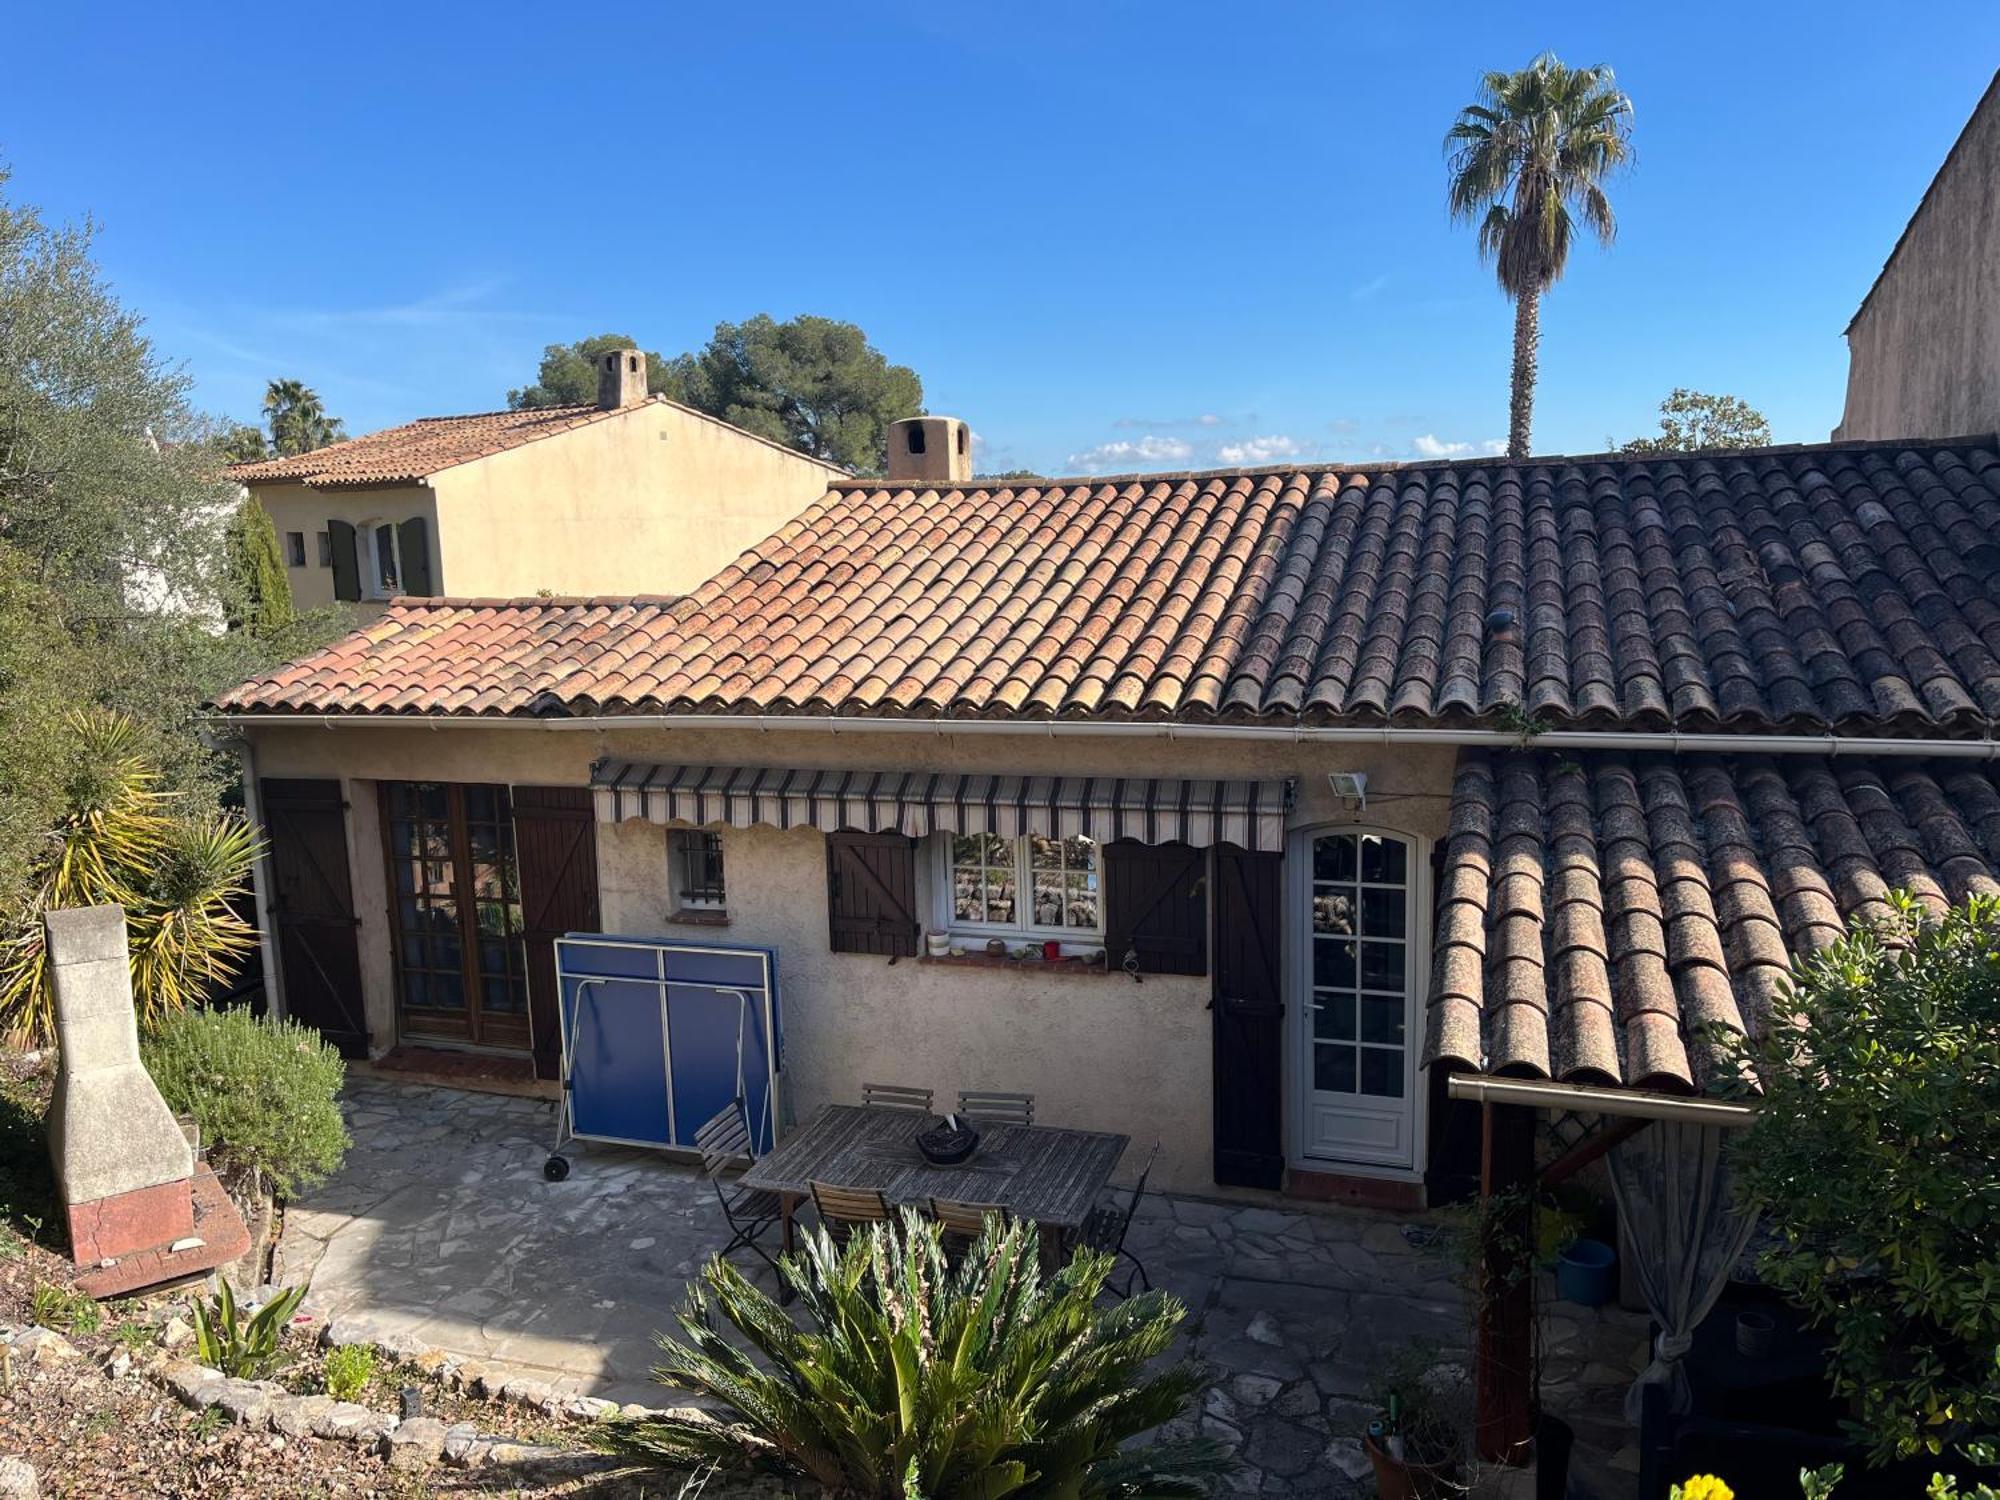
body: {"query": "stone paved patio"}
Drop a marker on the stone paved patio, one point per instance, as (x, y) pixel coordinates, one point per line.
(441, 1230)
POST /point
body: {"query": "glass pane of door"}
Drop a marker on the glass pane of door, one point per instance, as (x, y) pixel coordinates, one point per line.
(461, 966)
(429, 929)
(1357, 971)
(500, 957)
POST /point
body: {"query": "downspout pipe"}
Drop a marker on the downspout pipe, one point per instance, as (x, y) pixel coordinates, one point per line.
(1663, 741)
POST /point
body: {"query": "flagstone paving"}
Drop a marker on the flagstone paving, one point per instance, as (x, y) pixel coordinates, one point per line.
(441, 1231)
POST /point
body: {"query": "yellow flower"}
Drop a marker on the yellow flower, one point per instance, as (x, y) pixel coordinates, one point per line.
(1703, 1487)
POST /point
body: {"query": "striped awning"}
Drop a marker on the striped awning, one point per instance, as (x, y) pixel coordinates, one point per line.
(1250, 814)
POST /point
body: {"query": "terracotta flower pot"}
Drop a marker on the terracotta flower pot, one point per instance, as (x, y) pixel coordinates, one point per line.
(1399, 1479)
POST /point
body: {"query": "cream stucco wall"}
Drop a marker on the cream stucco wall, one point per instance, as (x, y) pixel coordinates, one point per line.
(649, 502)
(1923, 354)
(1097, 1050)
(298, 507)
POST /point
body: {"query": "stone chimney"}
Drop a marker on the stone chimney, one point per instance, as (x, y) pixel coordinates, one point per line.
(141, 1209)
(621, 378)
(121, 1162)
(930, 450)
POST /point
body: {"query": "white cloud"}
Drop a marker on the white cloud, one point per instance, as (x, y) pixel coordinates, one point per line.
(1430, 445)
(1206, 419)
(1260, 450)
(1125, 453)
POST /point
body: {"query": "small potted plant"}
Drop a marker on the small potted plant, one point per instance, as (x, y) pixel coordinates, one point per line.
(1417, 1441)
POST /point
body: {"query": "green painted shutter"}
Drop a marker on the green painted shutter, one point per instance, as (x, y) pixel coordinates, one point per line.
(413, 542)
(346, 565)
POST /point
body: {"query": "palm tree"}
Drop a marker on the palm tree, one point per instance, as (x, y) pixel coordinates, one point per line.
(122, 839)
(1527, 161)
(299, 422)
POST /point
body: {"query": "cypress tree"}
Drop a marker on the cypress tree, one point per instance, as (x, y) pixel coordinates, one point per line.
(259, 595)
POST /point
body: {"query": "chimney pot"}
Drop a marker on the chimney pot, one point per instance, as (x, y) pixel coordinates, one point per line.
(930, 450)
(621, 378)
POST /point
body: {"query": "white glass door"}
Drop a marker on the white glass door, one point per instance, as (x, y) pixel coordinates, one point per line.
(1356, 1054)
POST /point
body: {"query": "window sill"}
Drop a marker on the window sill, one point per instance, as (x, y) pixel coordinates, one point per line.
(1074, 967)
(698, 918)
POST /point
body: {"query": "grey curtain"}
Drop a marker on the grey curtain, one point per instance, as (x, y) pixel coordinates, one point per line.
(1685, 1231)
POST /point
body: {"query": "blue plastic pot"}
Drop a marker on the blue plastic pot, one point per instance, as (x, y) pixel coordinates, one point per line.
(1586, 1273)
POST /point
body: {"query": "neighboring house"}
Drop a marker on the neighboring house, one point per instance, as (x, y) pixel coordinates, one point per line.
(1923, 350)
(636, 494)
(1356, 777)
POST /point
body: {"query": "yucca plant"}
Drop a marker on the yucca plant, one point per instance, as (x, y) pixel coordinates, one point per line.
(123, 841)
(911, 1376)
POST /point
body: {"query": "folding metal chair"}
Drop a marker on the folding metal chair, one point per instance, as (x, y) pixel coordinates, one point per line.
(996, 1107)
(1105, 1230)
(895, 1096)
(843, 1210)
(723, 1141)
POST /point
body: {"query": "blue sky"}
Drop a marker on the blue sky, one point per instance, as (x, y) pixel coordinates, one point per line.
(1207, 233)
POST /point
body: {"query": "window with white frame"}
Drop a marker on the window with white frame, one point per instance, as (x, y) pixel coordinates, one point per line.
(383, 558)
(694, 859)
(1033, 887)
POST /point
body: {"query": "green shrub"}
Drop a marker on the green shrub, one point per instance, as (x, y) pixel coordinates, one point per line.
(246, 1348)
(266, 1093)
(349, 1368)
(911, 1376)
(1875, 1157)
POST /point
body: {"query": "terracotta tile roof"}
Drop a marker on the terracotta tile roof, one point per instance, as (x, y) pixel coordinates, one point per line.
(416, 450)
(457, 656)
(1850, 586)
(1596, 913)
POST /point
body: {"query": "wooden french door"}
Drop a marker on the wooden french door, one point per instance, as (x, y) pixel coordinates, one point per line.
(461, 962)
(312, 908)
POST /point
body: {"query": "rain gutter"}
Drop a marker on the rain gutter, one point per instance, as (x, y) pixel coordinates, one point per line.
(1637, 1104)
(1669, 741)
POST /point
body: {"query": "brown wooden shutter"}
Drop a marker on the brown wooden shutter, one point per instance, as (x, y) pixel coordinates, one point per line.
(871, 884)
(413, 547)
(346, 562)
(312, 909)
(555, 846)
(1248, 1007)
(1156, 906)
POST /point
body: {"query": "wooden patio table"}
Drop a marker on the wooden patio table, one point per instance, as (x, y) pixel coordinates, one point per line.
(1043, 1173)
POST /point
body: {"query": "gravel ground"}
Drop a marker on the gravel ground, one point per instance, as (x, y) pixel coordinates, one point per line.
(92, 1423)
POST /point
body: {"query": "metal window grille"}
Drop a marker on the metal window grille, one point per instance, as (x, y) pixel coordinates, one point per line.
(699, 855)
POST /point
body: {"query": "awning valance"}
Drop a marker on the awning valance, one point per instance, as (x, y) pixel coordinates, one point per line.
(1247, 813)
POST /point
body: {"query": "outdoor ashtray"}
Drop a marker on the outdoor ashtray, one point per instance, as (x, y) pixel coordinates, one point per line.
(948, 1144)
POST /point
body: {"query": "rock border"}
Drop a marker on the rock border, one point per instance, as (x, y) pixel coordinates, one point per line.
(416, 1443)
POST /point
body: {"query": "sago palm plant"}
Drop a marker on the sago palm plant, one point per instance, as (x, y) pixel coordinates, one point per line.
(123, 841)
(1528, 161)
(909, 1376)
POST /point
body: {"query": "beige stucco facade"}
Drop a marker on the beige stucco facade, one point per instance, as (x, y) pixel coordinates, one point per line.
(650, 501)
(1924, 350)
(301, 509)
(1098, 1050)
